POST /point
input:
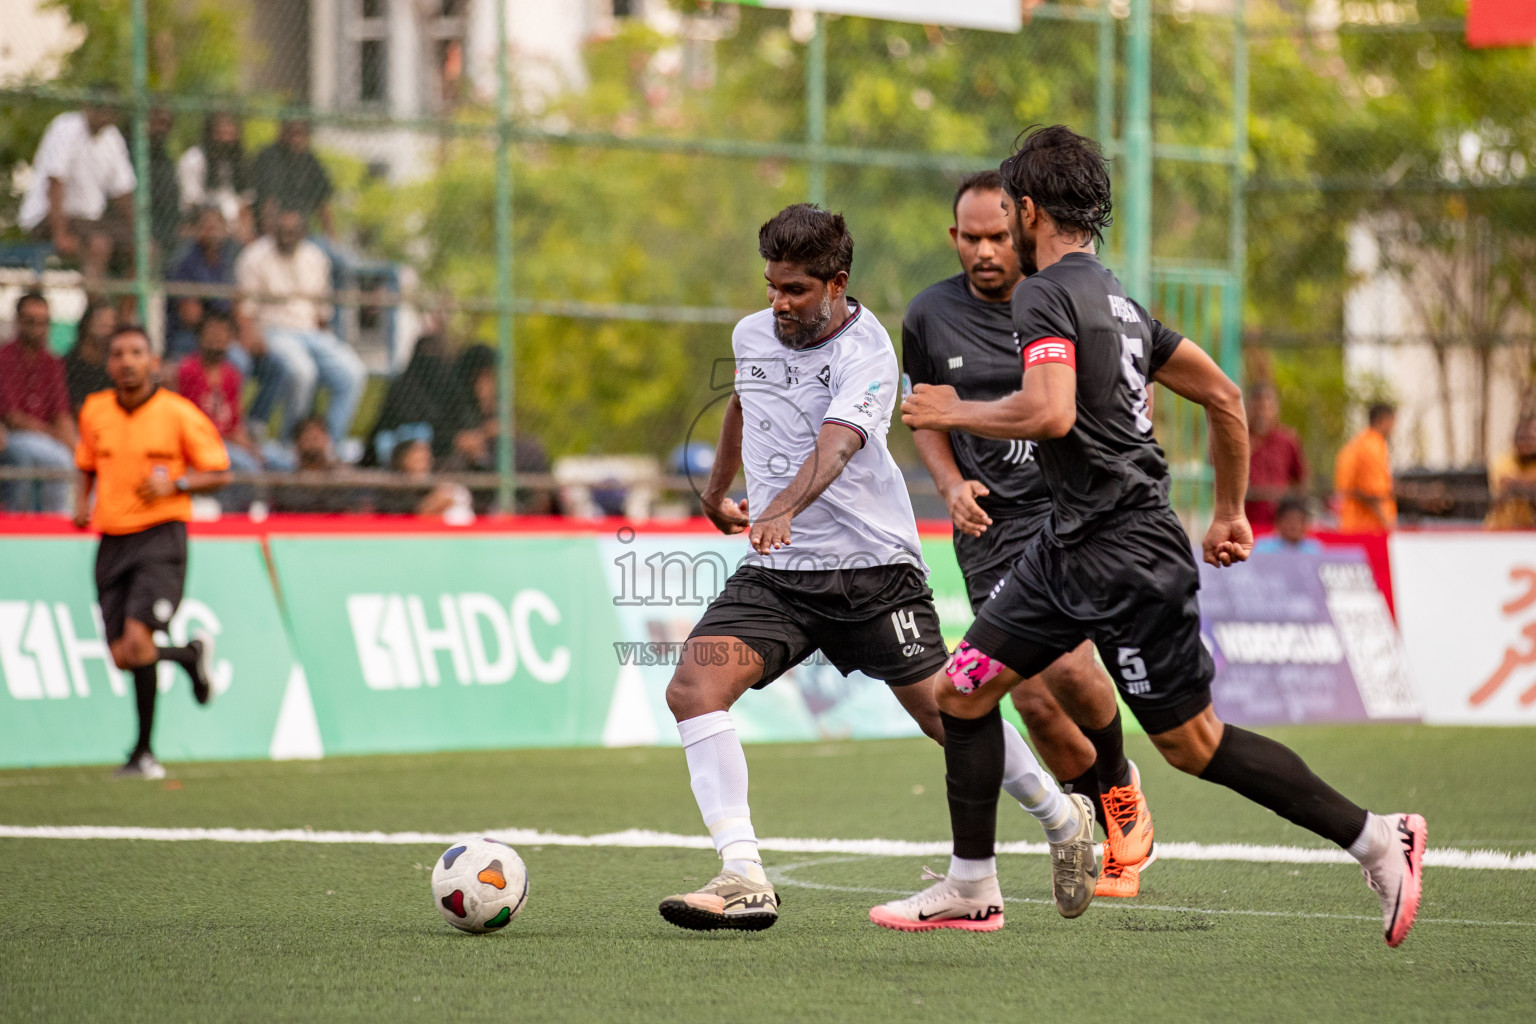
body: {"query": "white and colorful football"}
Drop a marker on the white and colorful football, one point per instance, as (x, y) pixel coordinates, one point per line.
(479, 885)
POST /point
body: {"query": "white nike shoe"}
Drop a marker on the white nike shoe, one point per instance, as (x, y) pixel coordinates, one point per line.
(972, 906)
(1073, 871)
(1395, 871)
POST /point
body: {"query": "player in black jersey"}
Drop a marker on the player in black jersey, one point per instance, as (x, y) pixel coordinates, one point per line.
(960, 332)
(1114, 565)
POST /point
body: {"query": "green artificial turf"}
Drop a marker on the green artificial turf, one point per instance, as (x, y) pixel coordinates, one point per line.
(154, 931)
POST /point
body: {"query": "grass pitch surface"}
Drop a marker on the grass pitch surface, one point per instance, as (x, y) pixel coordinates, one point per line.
(180, 931)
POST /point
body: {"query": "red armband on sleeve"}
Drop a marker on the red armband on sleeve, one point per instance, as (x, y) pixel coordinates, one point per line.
(1050, 350)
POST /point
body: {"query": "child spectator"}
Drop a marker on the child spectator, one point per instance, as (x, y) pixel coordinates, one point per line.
(1292, 521)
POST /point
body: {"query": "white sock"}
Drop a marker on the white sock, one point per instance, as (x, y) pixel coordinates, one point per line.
(1370, 839)
(1034, 789)
(717, 768)
(962, 870)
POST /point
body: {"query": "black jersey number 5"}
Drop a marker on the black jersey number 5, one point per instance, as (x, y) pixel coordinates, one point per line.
(1130, 351)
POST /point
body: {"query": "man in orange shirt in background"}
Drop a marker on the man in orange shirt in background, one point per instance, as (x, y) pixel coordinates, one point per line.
(145, 452)
(1362, 476)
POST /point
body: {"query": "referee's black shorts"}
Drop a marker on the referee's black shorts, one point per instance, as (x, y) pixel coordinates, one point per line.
(141, 576)
(878, 620)
(1130, 588)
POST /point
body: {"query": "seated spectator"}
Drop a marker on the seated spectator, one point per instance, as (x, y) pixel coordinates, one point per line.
(208, 260)
(85, 365)
(1512, 482)
(288, 176)
(213, 173)
(34, 406)
(283, 312)
(1293, 520)
(412, 459)
(427, 400)
(1362, 476)
(81, 196)
(1276, 465)
(164, 192)
(210, 380)
(317, 464)
(475, 448)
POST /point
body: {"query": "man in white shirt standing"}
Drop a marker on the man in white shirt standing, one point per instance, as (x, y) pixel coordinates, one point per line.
(836, 566)
(284, 313)
(81, 196)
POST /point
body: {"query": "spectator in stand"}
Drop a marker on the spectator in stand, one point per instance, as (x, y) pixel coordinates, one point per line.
(214, 173)
(412, 459)
(1293, 521)
(209, 380)
(283, 312)
(288, 176)
(427, 400)
(1276, 466)
(85, 365)
(81, 196)
(208, 260)
(1512, 482)
(1362, 476)
(164, 192)
(317, 464)
(475, 448)
(34, 406)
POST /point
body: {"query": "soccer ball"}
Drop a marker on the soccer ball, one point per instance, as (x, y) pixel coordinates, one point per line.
(479, 885)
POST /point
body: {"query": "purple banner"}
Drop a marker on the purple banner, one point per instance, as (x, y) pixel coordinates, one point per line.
(1303, 637)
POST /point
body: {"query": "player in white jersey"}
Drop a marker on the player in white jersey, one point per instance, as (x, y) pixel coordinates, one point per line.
(837, 565)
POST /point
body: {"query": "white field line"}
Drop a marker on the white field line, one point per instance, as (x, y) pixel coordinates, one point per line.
(642, 838)
(783, 876)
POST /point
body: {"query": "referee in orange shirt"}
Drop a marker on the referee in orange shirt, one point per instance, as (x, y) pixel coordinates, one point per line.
(144, 451)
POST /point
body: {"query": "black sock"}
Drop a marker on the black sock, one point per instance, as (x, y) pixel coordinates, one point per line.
(1272, 775)
(1109, 744)
(973, 761)
(186, 657)
(145, 690)
(1088, 785)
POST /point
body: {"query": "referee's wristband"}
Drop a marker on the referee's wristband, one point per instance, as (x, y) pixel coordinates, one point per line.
(182, 485)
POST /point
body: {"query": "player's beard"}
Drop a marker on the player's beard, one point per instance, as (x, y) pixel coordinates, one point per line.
(1023, 244)
(795, 333)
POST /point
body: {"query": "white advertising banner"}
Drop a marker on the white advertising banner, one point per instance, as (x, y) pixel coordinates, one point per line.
(998, 15)
(1466, 607)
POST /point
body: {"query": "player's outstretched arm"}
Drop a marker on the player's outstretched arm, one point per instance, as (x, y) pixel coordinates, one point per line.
(835, 445)
(85, 481)
(959, 494)
(728, 516)
(1192, 374)
(1044, 407)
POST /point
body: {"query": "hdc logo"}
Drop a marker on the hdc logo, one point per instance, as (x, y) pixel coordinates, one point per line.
(397, 648)
(43, 655)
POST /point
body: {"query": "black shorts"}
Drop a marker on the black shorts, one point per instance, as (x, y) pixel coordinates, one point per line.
(879, 621)
(141, 576)
(986, 559)
(1130, 588)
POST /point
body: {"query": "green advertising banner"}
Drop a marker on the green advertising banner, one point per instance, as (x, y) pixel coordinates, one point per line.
(414, 643)
(63, 702)
(440, 643)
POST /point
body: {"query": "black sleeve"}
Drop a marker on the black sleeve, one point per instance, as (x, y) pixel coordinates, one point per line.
(1041, 310)
(1164, 340)
(914, 352)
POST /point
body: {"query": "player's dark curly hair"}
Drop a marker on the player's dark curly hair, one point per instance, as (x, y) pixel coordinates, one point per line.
(1065, 174)
(810, 236)
(981, 181)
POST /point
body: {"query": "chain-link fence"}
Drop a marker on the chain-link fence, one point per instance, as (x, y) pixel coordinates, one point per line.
(549, 237)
